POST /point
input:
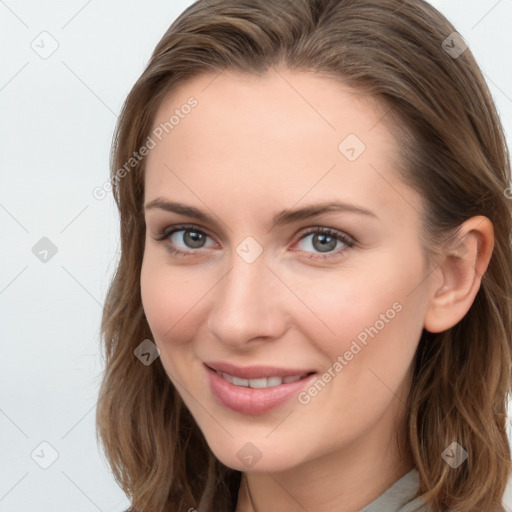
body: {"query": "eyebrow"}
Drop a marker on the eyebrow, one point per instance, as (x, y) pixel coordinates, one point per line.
(281, 218)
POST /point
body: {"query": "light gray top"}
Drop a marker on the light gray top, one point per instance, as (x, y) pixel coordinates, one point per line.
(400, 496)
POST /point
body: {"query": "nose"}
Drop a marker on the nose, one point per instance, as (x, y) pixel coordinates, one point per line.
(249, 304)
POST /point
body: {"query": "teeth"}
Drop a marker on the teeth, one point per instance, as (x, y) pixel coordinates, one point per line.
(258, 383)
(261, 383)
(227, 377)
(274, 381)
(240, 382)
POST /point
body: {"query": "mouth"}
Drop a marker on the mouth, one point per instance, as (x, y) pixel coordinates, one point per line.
(263, 382)
(255, 390)
(256, 371)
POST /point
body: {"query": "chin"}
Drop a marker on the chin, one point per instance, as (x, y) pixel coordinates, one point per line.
(245, 456)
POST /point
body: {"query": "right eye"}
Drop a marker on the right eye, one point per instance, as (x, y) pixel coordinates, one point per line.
(191, 237)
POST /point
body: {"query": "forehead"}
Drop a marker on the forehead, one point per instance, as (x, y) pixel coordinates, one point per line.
(282, 136)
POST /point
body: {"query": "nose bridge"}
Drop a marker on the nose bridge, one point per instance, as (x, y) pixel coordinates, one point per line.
(244, 301)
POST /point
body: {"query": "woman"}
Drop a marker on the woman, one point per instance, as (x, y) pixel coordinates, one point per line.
(312, 308)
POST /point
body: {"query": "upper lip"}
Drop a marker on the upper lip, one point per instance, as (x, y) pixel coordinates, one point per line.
(255, 372)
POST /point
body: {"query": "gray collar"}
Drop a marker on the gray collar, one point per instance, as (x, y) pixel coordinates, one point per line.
(400, 497)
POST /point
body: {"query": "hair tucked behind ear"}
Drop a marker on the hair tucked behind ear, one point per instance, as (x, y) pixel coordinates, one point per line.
(453, 153)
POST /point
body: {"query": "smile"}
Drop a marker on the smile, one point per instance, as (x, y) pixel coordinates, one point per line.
(256, 390)
(262, 382)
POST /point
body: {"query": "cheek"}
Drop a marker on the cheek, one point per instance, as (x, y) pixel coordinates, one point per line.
(164, 297)
(167, 299)
(343, 305)
(172, 297)
(372, 308)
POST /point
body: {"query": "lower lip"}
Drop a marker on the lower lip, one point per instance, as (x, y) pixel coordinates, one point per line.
(253, 400)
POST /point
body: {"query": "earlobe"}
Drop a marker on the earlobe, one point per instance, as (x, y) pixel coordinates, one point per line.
(461, 270)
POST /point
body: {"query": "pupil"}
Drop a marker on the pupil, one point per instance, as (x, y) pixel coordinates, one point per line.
(327, 243)
(193, 239)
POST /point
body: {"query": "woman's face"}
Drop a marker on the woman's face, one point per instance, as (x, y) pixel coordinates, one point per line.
(341, 291)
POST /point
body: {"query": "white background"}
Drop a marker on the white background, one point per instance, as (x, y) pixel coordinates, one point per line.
(57, 119)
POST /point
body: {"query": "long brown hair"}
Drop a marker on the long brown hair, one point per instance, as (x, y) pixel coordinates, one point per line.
(453, 152)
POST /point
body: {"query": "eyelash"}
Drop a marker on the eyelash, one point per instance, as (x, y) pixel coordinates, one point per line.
(348, 241)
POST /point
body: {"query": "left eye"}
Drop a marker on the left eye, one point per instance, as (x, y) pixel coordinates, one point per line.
(325, 240)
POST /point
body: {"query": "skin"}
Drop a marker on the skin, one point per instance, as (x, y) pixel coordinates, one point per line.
(252, 147)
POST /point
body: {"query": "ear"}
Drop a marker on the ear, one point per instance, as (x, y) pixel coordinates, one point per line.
(460, 272)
